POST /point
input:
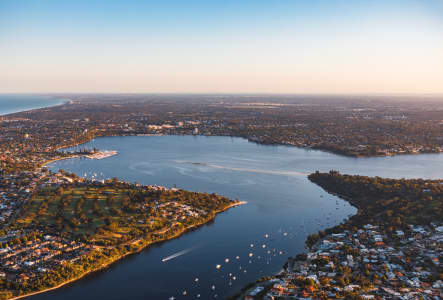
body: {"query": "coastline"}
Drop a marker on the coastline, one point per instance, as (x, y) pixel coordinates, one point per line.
(141, 248)
(59, 102)
(57, 159)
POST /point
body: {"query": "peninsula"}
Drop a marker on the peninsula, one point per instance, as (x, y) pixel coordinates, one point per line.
(391, 249)
(69, 226)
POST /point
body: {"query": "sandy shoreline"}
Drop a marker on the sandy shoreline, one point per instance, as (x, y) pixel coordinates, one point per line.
(57, 159)
(61, 102)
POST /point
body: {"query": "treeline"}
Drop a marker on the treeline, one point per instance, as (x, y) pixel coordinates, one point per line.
(391, 203)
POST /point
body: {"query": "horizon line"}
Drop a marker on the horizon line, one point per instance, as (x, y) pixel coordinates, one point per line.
(437, 94)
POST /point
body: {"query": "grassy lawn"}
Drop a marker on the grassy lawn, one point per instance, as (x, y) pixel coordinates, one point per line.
(110, 215)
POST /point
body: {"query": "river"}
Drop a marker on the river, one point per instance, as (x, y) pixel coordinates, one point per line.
(283, 208)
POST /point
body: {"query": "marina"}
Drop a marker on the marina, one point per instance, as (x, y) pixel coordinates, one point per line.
(101, 154)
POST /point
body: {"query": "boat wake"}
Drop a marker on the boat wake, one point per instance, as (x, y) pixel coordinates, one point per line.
(179, 253)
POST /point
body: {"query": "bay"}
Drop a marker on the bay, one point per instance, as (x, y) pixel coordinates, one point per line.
(283, 208)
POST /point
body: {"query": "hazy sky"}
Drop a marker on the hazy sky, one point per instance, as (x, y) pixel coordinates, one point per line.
(311, 46)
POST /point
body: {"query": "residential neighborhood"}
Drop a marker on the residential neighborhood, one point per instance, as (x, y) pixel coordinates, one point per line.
(363, 264)
(28, 254)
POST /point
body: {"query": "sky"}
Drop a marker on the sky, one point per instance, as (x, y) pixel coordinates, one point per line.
(229, 46)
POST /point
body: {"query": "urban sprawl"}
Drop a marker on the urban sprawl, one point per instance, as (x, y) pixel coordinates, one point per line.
(56, 227)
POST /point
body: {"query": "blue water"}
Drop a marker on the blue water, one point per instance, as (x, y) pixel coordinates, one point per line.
(11, 103)
(281, 203)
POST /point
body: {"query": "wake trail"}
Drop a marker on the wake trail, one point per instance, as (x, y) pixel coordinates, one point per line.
(179, 253)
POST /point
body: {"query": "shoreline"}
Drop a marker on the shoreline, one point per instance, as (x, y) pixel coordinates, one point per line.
(59, 103)
(306, 148)
(57, 159)
(142, 247)
(73, 156)
(389, 241)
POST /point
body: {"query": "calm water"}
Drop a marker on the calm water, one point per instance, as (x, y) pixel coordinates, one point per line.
(282, 203)
(11, 103)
